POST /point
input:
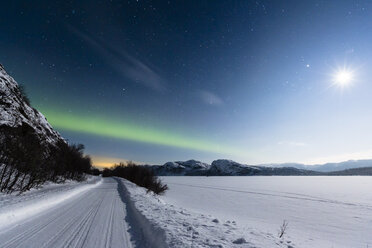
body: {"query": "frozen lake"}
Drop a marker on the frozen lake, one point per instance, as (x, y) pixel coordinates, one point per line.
(321, 211)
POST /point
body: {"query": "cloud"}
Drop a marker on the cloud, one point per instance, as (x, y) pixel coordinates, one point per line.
(210, 98)
(125, 64)
(292, 143)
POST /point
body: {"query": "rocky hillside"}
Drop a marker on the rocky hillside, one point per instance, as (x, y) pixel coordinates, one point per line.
(31, 151)
(17, 114)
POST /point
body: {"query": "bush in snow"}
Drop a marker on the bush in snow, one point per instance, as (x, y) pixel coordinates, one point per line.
(140, 175)
(27, 162)
(94, 172)
(22, 160)
(107, 173)
(283, 229)
(70, 162)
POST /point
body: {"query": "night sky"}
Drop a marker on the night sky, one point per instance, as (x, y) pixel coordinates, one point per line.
(252, 81)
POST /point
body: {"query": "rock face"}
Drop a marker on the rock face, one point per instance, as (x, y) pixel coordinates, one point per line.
(17, 116)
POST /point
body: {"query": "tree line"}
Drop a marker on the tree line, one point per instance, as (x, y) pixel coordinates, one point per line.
(27, 161)
(140, 175)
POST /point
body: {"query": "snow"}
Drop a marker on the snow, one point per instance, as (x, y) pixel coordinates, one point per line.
(195, 212)
(221, 167)
(15, 208)
(186, 228)
(229, 167)
(92, 216)
(182, 168)
(193, 164)
(225, 167)
(321, 211)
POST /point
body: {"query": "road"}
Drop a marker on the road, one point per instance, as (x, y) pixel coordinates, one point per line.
(95, 218)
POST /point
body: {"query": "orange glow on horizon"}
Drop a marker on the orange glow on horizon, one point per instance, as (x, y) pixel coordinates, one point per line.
(107, 162)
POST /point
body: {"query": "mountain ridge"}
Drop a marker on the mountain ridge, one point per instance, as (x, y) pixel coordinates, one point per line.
(225, 167)
(222, 167)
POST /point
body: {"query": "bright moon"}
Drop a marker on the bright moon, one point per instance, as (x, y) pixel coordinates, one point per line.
(343, 77)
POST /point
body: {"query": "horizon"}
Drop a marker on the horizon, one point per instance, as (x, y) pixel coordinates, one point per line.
(140, 123)
(103, 162)
(165, 81)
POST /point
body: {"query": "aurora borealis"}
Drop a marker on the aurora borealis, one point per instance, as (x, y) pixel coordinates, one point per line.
(120, 130)
(253, 81)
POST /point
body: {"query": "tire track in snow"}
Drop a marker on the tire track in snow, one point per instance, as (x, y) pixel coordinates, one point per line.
(94, 219)
(109, 225)
(79, 224)
(18, 239)
(14, 214)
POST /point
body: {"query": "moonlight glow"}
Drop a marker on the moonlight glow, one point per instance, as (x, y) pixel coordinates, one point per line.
(343, 77)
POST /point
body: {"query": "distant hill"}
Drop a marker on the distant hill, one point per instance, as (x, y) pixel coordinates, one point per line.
(224, 167)
(342, 165)
(363, 171)
(328, 167)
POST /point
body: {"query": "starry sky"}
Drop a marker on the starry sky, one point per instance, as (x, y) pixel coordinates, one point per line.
(157, 81)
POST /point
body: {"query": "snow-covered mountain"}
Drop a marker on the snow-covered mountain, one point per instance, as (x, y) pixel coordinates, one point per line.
(328, 167)
(350, 164)
(181, 168)
(17, 115)
(223, 167)
(229, 167)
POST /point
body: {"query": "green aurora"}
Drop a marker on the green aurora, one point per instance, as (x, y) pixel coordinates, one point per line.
(125, 131)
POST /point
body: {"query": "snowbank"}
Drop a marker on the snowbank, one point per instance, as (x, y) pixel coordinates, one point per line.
(144, 233)
(183, 228)
(15, 208)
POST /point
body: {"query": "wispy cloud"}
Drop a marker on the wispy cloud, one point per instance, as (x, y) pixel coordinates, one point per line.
(210, 98)
(124, 63)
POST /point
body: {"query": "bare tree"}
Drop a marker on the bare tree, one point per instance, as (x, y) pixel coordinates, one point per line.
(283, 228)
(28, 161)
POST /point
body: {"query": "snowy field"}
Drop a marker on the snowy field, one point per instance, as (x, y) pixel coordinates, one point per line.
(321, 211)
(196, 212)
(162, 224)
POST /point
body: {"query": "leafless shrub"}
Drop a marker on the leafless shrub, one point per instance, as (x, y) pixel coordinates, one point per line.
(140, 175)
(283, 228)
(27, 162)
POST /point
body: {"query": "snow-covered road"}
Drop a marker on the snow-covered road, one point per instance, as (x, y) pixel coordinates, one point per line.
(92, 218)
